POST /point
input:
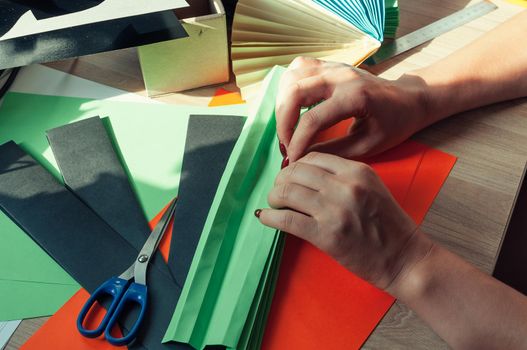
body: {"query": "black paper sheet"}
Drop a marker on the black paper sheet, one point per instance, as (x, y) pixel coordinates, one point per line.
(75, 41)
(79, 240)
(209, 144)
(41, 9)
(91, 169)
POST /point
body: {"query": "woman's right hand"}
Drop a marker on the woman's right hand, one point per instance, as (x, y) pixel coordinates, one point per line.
(342, 207)
(386, 112)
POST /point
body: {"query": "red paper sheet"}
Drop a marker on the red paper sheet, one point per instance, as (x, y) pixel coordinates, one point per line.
(60, 331)
(428, 180)
(320, 305)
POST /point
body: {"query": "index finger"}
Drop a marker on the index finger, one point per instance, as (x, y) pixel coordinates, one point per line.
(318, 118)
(288, 109)
(301, 93)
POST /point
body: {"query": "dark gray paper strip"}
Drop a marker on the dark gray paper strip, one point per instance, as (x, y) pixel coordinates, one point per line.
(83, 244)
(90, 168)
(209, 144)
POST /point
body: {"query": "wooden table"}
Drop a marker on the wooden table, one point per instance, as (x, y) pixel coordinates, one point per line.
(471, 211)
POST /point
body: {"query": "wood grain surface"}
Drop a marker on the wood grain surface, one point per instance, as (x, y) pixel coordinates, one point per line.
(471, 211)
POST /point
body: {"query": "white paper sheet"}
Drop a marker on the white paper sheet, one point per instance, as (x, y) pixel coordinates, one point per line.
(6, 331)
(38, 79)
(108, 10)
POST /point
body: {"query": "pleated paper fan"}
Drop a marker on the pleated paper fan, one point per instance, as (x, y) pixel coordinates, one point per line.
(273, 32)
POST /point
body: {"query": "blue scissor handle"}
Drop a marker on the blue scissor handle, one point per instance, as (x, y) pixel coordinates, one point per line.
(136, 293)
(114, 287)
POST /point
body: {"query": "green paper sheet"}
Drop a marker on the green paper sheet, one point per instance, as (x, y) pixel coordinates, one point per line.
(46, 282)
(150, 139)
(17, 267)
(235, 249)
(29, 299)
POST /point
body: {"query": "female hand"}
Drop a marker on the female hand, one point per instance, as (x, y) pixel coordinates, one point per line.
(343, 208)
(386, 112)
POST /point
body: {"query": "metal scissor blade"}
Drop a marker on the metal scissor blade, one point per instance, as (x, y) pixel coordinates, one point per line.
(152, 243)
(161, 227)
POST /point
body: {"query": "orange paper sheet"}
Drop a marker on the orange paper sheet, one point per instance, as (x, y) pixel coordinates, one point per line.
(320, 305)
(224, 97)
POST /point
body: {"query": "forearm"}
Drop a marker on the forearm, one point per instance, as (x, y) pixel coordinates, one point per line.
(467, 308)
(491, 69)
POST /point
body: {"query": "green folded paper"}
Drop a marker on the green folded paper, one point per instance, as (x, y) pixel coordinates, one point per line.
(252, 335)
(227, 294)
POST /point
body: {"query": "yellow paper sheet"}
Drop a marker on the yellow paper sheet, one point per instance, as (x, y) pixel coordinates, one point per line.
(519, 2)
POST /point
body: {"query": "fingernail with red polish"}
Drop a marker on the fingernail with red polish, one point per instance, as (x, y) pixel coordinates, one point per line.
(285, 162)
(257, 213)
(283, 151)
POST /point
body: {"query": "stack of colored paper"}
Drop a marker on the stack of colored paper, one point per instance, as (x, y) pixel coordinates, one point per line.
(273, 32)
(151, 138)
(235, 293)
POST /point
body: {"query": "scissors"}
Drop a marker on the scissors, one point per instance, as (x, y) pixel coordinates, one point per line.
(123, 290)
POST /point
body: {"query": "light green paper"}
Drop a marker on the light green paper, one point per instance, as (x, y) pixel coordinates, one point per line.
(32, 284)
(150, 139)
(252, 335)
(234, 248)
(30, 299)
(16, 266)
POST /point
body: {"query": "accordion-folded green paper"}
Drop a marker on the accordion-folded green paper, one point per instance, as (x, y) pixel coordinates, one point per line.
(253, 332)
(228, 290)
